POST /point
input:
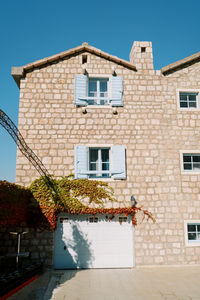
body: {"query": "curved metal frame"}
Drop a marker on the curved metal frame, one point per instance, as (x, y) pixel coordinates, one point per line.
(8, 124)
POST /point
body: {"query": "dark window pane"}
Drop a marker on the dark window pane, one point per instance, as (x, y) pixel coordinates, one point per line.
(198, 228)
(103, 102)
(93, 175)
(183, 96)
(105, 161)
(92, 94)
(123, 219)
(192, 104)
(192, 97)
(93, 155)
(191, 236)
(196, 158)
(191, 227)
(187, 166)
(93, 85)
(105, 155)
(93, 219)
(90, 102)
(103, 86)
(105, 166)
(105, 175)
(93, 166)
(187, 158)
(92, 88)
(183, 104)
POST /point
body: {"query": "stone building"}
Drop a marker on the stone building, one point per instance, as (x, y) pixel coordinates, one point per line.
(86, 112)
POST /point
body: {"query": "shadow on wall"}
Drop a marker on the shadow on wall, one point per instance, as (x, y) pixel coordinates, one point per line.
(77, 253)
(82, 248)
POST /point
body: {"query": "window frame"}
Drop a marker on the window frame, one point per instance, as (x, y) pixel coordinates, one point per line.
(98, 98)
(100, 76)
(92, 219)
(188, 91)
(115, 91)
(63, 220)
(118, 167)
(99, 163)
(192, 154)
(191, 243)
(187, 172)
(122, 219)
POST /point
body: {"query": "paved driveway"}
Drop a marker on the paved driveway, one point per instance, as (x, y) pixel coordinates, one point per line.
(164, 283)
(168, 283)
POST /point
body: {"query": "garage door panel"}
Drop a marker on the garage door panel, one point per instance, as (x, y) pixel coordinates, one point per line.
(81, 244)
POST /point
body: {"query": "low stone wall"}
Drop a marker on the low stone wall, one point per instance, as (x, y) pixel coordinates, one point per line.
(38, 242)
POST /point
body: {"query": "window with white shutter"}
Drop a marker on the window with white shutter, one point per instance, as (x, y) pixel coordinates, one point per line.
(100, 162)
(80, 90)
(100, 91)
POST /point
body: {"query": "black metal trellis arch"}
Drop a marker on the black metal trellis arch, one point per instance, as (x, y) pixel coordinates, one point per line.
(12, 129)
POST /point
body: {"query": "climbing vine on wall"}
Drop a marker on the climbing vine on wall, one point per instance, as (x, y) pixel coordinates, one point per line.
(40, 204)
(14, 201)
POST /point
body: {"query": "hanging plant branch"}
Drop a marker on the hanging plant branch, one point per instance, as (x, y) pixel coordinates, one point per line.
(76, 192)
(38, 206)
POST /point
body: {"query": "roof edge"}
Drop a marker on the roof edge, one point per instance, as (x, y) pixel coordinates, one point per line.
(83, 47)
(169, 68)
(18, 72)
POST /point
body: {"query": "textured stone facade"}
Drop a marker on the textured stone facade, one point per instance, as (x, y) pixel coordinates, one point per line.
(38, 243)
(151, 126)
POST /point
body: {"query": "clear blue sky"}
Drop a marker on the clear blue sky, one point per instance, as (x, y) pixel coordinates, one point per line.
(34, 29)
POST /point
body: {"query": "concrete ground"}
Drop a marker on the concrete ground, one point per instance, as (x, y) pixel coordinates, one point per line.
(36, 290)
(157, 283)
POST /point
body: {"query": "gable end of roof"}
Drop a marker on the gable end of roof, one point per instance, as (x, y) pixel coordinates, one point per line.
(19, 72)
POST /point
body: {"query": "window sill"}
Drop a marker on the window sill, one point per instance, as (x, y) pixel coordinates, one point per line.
(192, 244)
(95, 106)
(104, 179)
(188, 109)
(190, 172)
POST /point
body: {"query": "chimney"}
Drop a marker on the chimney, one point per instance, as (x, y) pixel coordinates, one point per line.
(141, 55)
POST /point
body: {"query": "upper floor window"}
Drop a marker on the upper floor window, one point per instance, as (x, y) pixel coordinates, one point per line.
(192, 233)
(98, 91)
(191, 162)
(188, 100)
(100, 162)
(101, 91)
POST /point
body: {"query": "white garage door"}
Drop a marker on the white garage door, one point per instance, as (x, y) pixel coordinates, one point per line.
(93, 242)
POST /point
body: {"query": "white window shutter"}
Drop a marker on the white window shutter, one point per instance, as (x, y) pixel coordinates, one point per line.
(116, 91)
(80, 90)
(81, 162)
(119, 162)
